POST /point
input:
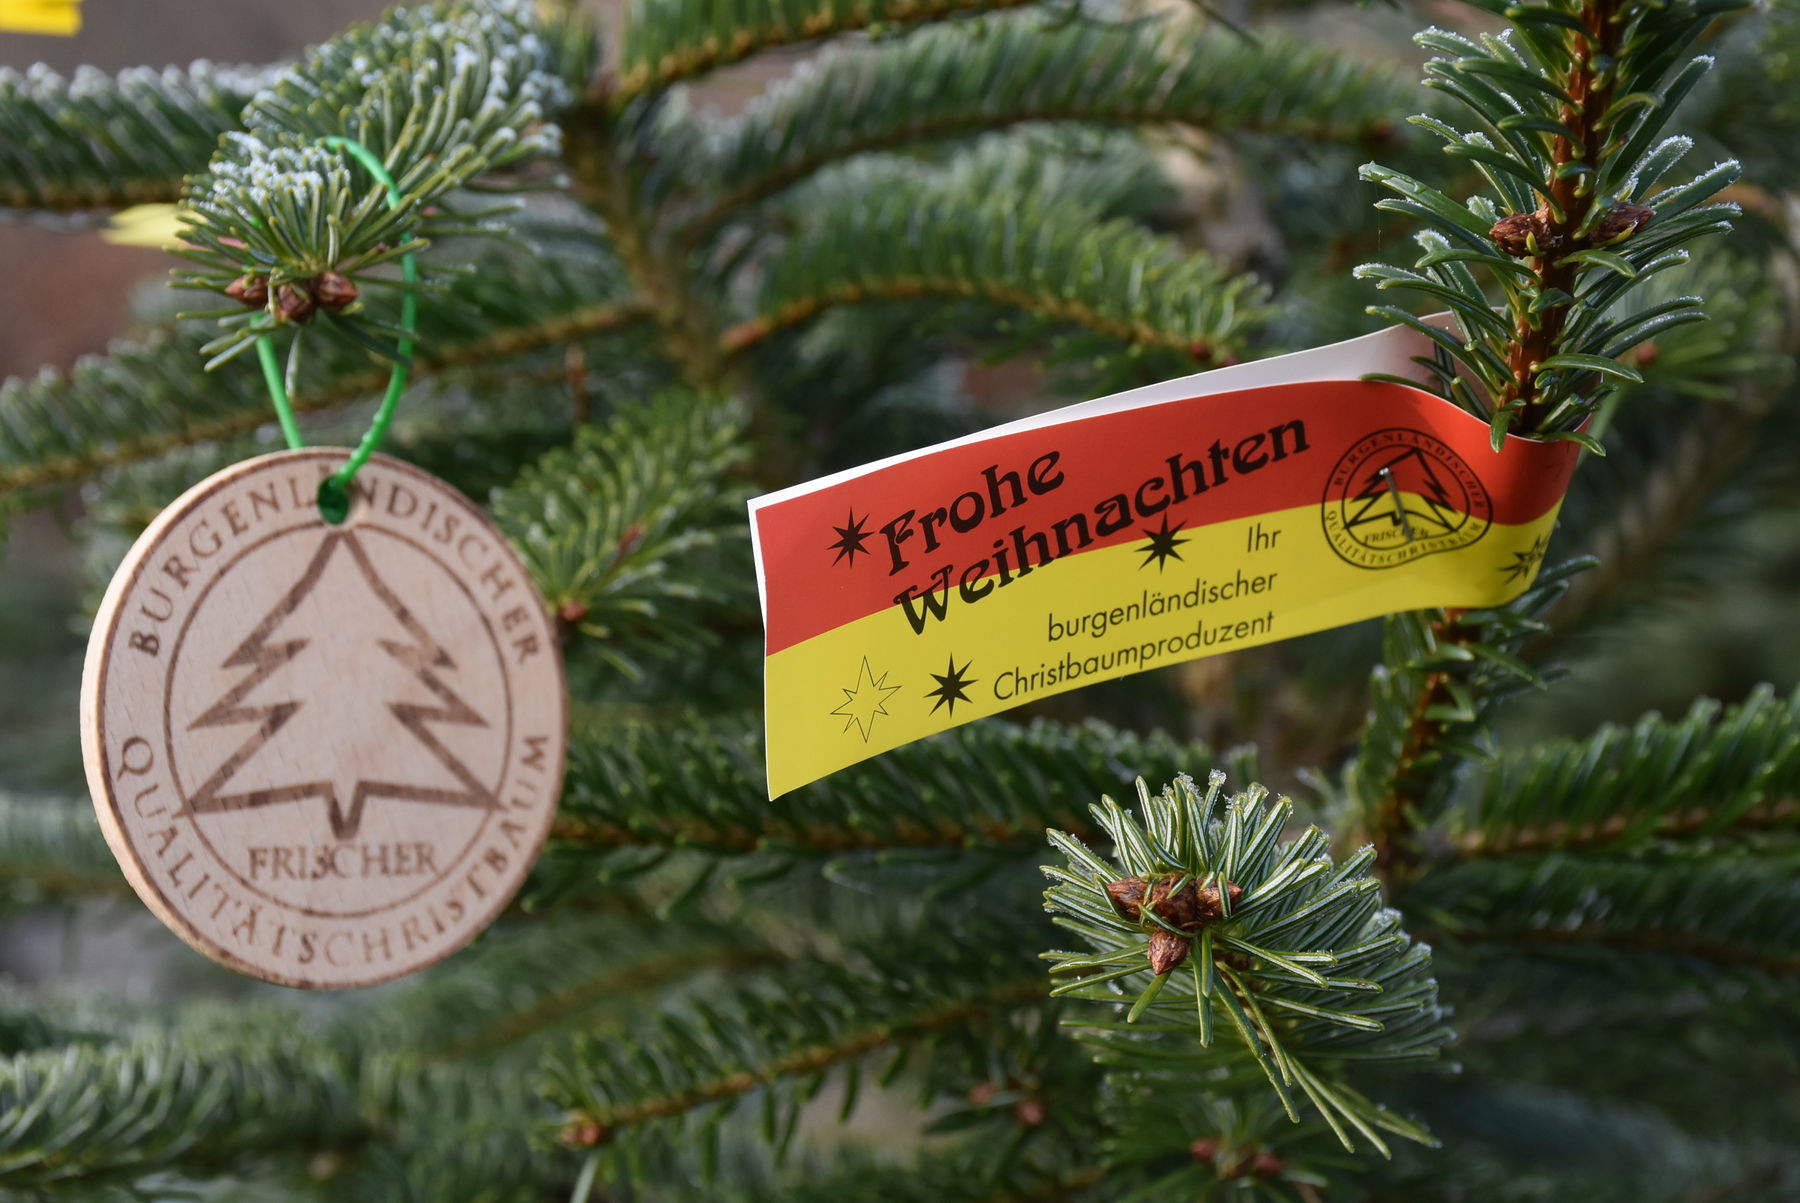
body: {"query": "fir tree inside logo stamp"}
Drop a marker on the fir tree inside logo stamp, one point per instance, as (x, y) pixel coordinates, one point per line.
(324, 754)
(1399, 494)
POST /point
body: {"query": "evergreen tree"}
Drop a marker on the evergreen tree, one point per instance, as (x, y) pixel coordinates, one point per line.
(635, 312)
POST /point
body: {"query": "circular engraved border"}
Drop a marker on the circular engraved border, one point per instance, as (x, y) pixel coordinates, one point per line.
(169, 685)
(1341, 477)
(96, 673)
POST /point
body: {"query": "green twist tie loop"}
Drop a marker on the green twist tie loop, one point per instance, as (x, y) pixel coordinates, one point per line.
(334, 490)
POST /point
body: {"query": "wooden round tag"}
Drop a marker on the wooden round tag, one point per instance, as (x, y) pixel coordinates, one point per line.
(325, 755)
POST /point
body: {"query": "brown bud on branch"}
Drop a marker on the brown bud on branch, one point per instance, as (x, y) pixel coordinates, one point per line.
(1527, 235)
(580, 1132)
(333, 290)
(1621, 222)
(250, 291)
(1167, 950)
(293, 303)
(1266, 1165)
(1128, 895)
(1524, 235)
(1187, 911)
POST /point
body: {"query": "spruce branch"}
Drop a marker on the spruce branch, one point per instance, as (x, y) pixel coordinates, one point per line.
(31, 1023)
(1715, 772)
(880, 231)
(1169, 1143)
(96, 141)
(452, 1131)
(1441, 676)
(1294, 953)
(1568, 220)
(1570, 102)
(664, 965)
(609, 155)
(804, 1060)
(668, 41)
(962, 81)
(780, 1032)
(1621, 1152)
(987, 784)
(217, 1088)
(143, 400)
(1734, 909)
(628, 530)
(53, 847)
(694, 1023)
(490, 342)
(1516, 999)
(529, 981)
(485, 1158)
(287, 226)
(1663, 506)
(1649, 521)
(962, 1173)
(84, 1112)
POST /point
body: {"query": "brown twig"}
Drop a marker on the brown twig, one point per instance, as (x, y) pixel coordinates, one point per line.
(1390, 829)
(1559, 836)
(1710, 453)
(787, 174)
(1569, 203)
(575, 369)
(581, 323)
(812, 1059)
(713, 53)
(615, 982)
(1668, 943)
(749, 333)
(1557, 230)
(824, 839)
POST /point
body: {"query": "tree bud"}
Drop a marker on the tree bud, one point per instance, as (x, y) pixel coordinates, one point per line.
(333, 290)
(293, 303)
(250, 291)
(1621, 223)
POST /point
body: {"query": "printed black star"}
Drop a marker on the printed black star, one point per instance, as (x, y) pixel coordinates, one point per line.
(851, 538)
(951, 684)
(1526, 562)
(1162, 545)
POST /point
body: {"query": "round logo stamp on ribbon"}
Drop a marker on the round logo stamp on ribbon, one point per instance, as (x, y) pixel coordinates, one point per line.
(326, 754)
(1400, 494)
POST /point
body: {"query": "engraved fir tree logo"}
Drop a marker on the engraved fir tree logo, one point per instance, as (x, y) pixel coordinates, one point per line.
(1408, 488)
(288, 760)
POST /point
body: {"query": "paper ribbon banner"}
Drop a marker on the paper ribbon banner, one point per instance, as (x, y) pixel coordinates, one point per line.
(1224, 510)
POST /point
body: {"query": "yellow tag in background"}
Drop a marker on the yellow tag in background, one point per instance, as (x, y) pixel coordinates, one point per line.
(58, 18)
(154, 226)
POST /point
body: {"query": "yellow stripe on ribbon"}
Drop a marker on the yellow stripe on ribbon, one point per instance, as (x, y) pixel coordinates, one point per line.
(875, 684)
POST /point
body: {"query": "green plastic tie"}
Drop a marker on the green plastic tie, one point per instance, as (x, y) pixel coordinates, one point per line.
(334, 490)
